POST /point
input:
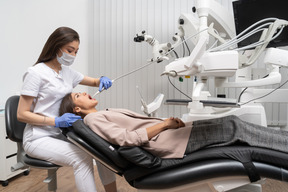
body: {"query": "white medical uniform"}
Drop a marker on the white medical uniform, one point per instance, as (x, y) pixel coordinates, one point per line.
(47, 142)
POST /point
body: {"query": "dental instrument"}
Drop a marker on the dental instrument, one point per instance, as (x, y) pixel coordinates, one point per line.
(158, 59)
(98, 92)
(124, 75)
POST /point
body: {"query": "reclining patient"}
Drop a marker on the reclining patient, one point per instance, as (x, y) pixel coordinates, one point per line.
(169, 138)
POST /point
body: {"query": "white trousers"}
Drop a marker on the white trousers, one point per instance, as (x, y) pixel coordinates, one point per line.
(61, 152)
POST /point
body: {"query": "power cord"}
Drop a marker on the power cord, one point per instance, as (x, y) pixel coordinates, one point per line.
(247, 88)
(177, 88)
(265, 94)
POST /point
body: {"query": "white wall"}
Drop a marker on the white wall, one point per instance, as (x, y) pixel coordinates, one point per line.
(25, 27)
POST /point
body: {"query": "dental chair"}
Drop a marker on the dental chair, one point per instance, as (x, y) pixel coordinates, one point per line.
(14, 130)
(236, 168)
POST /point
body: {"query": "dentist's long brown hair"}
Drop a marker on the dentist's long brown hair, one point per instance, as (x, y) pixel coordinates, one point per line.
(60, 37)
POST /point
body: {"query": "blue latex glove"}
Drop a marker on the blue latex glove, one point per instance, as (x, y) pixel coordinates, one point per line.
(66, 120)
(104, 82)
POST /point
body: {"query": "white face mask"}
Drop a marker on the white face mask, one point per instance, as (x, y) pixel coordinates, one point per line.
(66, 59)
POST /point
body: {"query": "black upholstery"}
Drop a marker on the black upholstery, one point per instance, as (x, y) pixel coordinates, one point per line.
(202, 170)
(203, 164)
(15, 129)
(220, 161)
(38, 163)
(100, 156)
(140, 157)
(109, 150)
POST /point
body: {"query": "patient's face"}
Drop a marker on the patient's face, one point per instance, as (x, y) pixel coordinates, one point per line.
(84, 100)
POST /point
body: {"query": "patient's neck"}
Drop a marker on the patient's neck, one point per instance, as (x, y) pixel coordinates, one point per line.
(86, 112)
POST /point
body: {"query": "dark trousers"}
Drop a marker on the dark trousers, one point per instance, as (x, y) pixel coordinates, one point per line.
(230, 130)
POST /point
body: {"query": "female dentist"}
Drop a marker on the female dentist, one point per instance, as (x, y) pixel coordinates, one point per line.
(44, 86)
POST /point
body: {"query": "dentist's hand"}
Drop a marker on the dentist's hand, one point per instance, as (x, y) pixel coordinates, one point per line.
(66, 120)
(104, 82)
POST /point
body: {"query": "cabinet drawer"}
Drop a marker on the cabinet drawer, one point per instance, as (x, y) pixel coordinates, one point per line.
(10, 147)
(9, 163)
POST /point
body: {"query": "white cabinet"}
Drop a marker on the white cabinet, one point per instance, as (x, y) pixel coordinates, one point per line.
(8, 153)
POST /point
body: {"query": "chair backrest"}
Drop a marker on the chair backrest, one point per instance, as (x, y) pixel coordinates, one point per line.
(14, 128)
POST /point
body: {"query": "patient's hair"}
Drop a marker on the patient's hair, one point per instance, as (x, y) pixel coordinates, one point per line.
(67, 105)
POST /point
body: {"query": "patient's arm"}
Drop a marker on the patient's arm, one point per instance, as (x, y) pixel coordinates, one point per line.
(171, 123)
(113, 133)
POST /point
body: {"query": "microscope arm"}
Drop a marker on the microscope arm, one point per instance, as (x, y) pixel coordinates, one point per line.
(273, 78)
(159, 51)
(274, 59)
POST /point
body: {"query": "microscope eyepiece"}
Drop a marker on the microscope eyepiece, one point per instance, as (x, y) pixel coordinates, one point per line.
(139, 39)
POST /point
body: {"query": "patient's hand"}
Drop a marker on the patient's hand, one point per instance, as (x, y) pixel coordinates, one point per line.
(173, 123)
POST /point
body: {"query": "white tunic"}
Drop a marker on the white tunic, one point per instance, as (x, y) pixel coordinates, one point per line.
(48, 88)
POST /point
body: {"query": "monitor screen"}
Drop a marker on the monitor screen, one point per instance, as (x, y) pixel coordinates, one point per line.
(248, 12)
